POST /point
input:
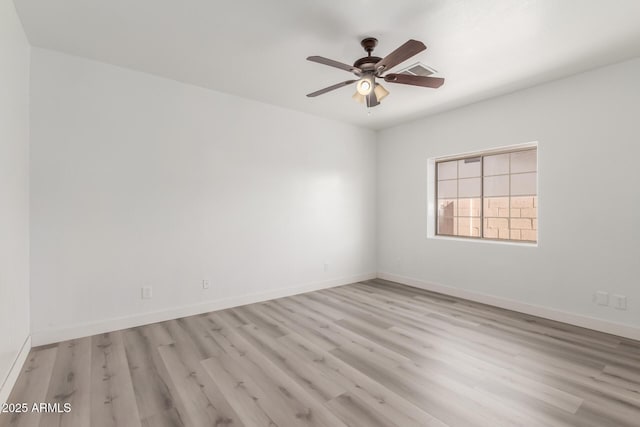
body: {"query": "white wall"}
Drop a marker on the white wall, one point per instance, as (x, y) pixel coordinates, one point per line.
(589, 171)
(14, 190)
(142, 181)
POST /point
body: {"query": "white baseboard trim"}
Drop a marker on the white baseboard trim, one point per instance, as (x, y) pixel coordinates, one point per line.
(595, 324)
(7, 385)
(50, 336)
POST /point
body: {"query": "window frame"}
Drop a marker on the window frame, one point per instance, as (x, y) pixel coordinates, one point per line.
(531, 146)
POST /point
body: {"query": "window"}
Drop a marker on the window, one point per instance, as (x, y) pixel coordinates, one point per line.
(488, 196)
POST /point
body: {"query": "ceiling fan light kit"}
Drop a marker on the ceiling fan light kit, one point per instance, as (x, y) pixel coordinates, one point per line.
(380, 92)
(368, 68)
(364, 86)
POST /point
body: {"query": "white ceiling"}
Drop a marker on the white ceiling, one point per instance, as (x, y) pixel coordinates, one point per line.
(257, 48)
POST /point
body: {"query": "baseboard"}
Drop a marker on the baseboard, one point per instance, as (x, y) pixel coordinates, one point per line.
(595, 324)
(50, 336)
(7, 385)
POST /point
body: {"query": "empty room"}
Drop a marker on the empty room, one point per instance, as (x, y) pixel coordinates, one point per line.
(331, 213)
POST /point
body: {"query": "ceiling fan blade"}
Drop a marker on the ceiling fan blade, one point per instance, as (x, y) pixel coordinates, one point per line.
(330, 88)
(336, 64)
(372, 100)
(406, 79)
(404, 52)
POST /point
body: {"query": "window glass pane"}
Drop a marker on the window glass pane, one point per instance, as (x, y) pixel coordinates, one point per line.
(524, 218)
(469, 227)
(496, 186)
(522, 229)
(523, 161)
(524, 235)
(529, 235)
(496, 228)
(496, 207)
(523, 184)
(496, 218)
(469, 187)
(447, 189)
(496, 165)
(448, 226)
(469, 207)
(447, 170)
(469, 168)
(447, 207)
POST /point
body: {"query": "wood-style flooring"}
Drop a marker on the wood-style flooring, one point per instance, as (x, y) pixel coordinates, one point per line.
(369, 354)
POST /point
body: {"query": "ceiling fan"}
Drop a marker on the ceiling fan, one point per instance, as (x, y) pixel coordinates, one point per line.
(369, 68)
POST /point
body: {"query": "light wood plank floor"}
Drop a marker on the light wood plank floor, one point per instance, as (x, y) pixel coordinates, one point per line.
(368, 354)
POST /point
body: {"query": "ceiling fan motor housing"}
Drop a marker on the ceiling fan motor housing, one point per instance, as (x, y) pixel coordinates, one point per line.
(368, 62)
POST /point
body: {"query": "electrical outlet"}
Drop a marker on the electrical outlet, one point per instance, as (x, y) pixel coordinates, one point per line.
(147, 292)
(619, 301)
(205, 284)
(326, 267)
(602, 298)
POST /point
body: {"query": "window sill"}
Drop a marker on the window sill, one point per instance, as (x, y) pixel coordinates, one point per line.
(493, 242)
